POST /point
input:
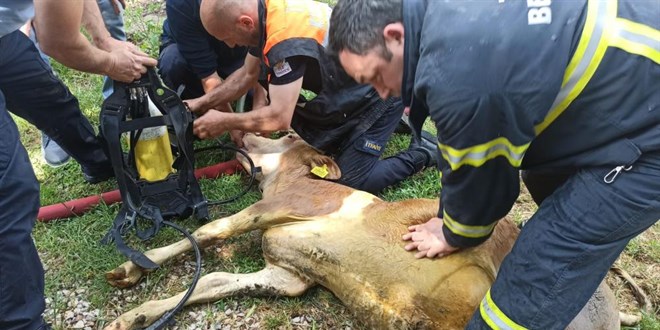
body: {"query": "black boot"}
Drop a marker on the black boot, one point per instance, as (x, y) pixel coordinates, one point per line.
(404, 126)
(427, 145)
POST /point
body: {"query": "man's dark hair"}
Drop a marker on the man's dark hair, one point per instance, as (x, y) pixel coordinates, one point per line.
(357, 25)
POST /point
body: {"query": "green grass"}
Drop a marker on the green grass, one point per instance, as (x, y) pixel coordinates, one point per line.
(644, 249)
(650, 322)
(75, 260)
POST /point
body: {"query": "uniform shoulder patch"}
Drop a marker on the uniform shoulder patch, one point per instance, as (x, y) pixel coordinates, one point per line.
(372, 147)
(281, 68)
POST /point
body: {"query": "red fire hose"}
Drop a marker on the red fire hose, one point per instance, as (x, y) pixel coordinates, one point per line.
(79, 206)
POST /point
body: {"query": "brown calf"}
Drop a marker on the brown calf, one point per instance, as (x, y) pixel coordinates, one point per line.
(317, 232)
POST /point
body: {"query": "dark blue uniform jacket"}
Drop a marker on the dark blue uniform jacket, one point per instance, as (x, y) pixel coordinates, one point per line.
(529, 84)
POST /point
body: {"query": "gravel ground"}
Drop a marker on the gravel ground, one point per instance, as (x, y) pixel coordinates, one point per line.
(69, 308)
(77, 313)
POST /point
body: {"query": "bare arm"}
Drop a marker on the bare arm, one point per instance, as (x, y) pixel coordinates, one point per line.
(211, 82)
(58, 30)
(93, 23)
(214, 80)
(237, 84)
(273, 117)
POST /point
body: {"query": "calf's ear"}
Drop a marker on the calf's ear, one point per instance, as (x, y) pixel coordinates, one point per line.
(325, 168)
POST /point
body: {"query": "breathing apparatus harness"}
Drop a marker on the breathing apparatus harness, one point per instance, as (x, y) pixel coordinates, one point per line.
(156, 176)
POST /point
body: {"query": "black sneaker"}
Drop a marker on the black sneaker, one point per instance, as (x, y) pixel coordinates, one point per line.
(428, 145)
(97, 176)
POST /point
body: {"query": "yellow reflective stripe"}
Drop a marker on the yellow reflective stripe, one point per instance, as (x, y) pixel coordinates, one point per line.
(602, 29)
(494, 317)
(440, 179)
(590, 51)
(465, 230)
(589, 26)
(636, 39)
(479, 154)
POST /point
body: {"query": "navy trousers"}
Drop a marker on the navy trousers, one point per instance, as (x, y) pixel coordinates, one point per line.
(177, 74)
(33, 93)
(565, 250)
(21, 273)
(360, 162)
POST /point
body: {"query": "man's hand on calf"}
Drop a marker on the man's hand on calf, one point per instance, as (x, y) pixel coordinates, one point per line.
(428, 239)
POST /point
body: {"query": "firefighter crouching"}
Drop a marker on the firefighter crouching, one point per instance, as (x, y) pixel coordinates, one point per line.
(567, 91)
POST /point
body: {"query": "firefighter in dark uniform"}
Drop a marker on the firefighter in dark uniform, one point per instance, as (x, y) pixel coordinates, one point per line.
(569, 91)
(190, 59)
(346, 120)
(21, 273)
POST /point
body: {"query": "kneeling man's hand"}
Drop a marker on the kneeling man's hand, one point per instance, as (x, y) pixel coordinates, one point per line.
(428, 239)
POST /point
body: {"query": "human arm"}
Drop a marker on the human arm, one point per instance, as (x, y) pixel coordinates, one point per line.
(210, 82)
(259, 96)
(58, 30)
(92, 21)
(482, 139)
(94, 24)
(214, 80)
(273, 117)
(236, 85)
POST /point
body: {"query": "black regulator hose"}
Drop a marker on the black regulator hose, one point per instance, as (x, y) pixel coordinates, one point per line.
(164, 320)
(253, 171)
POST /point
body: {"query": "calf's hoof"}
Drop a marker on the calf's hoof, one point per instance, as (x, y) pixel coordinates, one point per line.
(134, 319)
(117, 325)
(124, 276)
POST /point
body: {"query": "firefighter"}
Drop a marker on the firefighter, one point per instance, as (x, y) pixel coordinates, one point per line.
(190, 59)
(346, 120)
(569, 91)
(58, 26)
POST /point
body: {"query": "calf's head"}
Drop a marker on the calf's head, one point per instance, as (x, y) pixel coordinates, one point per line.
(287, 158)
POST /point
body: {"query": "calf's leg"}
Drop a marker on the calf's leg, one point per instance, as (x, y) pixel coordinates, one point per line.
(260, 215)
(270, 281)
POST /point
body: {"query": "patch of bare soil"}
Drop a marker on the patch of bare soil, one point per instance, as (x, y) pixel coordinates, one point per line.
(644, 269)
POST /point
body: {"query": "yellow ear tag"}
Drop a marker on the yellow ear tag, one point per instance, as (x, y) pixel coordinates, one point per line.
(320, 171)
